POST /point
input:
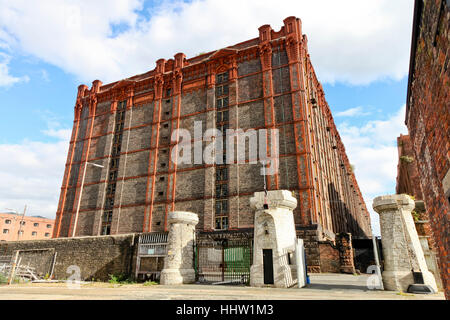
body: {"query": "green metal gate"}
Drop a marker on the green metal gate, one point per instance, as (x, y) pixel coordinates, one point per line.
(223, 261)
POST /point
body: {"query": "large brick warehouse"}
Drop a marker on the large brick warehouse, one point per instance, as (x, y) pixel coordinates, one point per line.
(265, 82)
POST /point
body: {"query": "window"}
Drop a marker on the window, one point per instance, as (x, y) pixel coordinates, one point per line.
(116, 149)
(221, 190)
(221, 206)
(222, 78)
(222, 103)
(111, 188)
(109, 203)
(5, 231)
(119, 126)
(168, 91)
(161, 193)
(117, 138)
(107, 216)
(20, 232)
(121, 105)
(22, 223)
(47, 234)
(161, 178)
(35, 224)
(222, 128)
(221, 223)
(121, 115)
(221, 174)
(106, 230)
(34, 233)
(113, 175)
(49, 226)
(8, 221)
(222, 90)
(114, 163)
(222, 116)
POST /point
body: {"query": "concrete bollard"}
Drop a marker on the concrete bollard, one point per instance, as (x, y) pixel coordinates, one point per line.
(402, 250)
(179, 262)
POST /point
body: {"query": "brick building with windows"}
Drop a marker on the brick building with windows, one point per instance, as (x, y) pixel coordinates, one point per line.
(428, 119)
(15, 227)
(263, 83)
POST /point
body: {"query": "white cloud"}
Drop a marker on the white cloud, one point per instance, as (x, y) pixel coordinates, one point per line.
(352, 41)
(372, 148)
(6, 79)
(45, 76)
(31, 174)
(352, 112)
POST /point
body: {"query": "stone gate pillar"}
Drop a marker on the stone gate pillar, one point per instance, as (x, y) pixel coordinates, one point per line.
(179, 262)
(274, 261)
(402, 250)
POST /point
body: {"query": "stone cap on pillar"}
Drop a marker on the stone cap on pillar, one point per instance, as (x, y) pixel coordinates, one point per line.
(185, 217)
(275, 199)
(393, 202)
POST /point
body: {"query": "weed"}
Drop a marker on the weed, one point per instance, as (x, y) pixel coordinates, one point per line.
(120, 279)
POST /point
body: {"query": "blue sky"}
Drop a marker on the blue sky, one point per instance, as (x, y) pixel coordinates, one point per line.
(360, 51)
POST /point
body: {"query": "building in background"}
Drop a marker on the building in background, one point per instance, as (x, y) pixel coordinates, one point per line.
(408, 182)
(428, 119)
(15, 227)
(263, 83)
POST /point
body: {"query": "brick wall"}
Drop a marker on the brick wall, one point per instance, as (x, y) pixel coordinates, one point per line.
(97, 257)
(428, 118)
(329, 257)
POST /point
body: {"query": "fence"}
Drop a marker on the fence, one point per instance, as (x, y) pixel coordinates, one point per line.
(152, 249)
(223, 258)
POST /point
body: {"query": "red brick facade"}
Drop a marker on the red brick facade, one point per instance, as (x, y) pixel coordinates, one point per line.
(127, 125)
(428, 118)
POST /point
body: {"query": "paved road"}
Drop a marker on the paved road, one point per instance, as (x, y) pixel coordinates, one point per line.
(323, 286)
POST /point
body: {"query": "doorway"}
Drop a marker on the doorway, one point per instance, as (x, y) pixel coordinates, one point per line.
(268, 266)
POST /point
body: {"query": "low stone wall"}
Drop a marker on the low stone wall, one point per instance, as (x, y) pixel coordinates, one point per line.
(97, 257)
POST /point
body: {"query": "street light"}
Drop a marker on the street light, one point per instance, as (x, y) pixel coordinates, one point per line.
(81, 193)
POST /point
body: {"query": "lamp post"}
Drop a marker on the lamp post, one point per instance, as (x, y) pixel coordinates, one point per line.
(81, 193)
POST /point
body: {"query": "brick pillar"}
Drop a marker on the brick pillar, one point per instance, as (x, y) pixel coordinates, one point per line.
(179, 262)
(265, 53)
(177, 78)
(154, 144)
(402, 251)
(344, 243)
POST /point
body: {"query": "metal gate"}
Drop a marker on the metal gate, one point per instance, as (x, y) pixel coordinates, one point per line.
(150, 256)
(224, 261)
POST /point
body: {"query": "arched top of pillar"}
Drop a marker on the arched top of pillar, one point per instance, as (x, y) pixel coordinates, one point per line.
(185, 217)
(393, 202)
(275, 199)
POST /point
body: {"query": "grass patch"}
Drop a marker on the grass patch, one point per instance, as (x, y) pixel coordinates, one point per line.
(120, 279)
(150, 283)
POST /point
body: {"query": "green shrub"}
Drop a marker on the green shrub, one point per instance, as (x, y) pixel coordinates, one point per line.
(120, 279)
